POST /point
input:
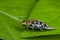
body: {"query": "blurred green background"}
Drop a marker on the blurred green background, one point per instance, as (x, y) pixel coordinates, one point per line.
(11, 10)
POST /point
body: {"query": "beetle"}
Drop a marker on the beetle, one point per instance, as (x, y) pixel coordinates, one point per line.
(35, 25)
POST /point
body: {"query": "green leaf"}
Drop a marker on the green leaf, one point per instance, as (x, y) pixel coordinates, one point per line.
(12, 12)
(7, 26)
(17, 8)
(48, 11)
(10, 28)
(45, 37)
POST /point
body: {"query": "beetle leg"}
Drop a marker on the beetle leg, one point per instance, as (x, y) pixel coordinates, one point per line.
(33, 29)
(27, 27)
(41, 29)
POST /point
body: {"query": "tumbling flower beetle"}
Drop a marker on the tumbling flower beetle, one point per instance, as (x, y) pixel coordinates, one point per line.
(36, 24)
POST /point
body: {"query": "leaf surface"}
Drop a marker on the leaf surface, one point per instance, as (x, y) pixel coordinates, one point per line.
(48, 11)
(12, 12)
